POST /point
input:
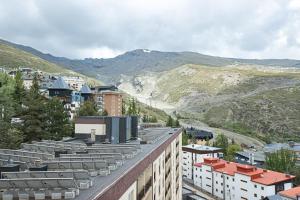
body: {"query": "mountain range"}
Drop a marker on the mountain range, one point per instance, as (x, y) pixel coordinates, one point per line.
(255, 97)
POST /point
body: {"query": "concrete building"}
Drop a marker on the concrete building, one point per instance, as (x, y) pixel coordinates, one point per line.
(108, 99)
(194, 153)
(107, 128)
(229, 180)
(132, 171)
(256, 158)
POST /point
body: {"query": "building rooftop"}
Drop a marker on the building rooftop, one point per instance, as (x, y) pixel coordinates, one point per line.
(60, 84)
(258, 175)
(85, 89)
(201, 147)
(291, 193)
(258, 155)
(115, 175)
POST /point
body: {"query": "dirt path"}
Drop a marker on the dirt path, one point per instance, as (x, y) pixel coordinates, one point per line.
(238, 138)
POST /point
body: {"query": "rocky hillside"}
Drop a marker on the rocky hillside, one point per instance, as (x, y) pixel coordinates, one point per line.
(253, 100)
(260, 98)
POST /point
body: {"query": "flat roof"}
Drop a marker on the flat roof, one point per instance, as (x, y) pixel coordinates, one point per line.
(201, 147)
(104, 183)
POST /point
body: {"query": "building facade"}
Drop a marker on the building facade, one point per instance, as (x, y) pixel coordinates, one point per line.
(156, 177)
(229, 180)
(110, 102)
(194, 153)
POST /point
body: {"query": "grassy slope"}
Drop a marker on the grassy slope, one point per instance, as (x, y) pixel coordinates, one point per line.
(246, 100)
(11, 57)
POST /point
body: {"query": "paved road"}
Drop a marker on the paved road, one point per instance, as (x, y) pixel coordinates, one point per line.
(196, 191)
(238, 138)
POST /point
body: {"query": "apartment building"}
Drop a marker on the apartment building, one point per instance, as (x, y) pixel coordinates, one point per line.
(108, 99)
(147, 170)
(229, 180)
(155, 174)
(195, 153)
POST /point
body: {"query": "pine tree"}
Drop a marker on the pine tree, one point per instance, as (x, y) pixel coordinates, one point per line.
(88, 108)
(58, 125)
(11, 138)
(123, 107)
(105, 113)
(169, 121)
(19, 90)
(33, 114)
(176, 123)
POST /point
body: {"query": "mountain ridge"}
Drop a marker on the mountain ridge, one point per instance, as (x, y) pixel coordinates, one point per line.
(131, 62)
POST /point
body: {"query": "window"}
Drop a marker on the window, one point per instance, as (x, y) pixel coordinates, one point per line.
(255, 186)
(216, 190)
(208, 178)
(232, 179)
(208, 185)
(255, 195)
(244, 189)
(216, 182)
(227, 177)
(262, 188)
(222, 191)
(243, 181)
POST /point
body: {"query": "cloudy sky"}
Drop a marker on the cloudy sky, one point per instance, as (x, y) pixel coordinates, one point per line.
(106, 28)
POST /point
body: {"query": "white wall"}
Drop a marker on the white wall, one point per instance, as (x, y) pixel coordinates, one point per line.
(130, 194)
(87, 128)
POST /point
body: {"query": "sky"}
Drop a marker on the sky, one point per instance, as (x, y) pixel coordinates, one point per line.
(106, 28)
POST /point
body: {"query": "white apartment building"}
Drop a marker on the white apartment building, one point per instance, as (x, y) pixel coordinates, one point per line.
(229, 180)
(195, 153)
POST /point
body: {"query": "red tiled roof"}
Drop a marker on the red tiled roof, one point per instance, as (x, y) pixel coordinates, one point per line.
(291, 193)
(198, 164)
(258, 175)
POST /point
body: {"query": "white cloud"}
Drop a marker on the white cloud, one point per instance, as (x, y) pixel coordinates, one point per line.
(93, 28)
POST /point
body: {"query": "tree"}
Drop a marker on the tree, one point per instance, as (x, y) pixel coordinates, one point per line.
(283, 160)
(123, 107)
(231, 151)
(7, 104)
(169, 121)
(104, 113)
(58, 125)
(33, 114)
(132, 108)
(193, 138)
(185, 138)
(176, 123)
(221, 142)
(11, 138)
(19, 91)
(88, 108)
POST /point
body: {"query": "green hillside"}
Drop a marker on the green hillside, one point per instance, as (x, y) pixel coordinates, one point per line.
(11, 57)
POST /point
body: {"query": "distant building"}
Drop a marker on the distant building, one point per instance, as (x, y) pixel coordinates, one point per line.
(256, 158)
(74, 82)
(86, 93)
(229, 180)
(108, 99)
(106, 128)
(290, 194)
(61, 90)
(194, 153)
(295, 147)
(199, 135)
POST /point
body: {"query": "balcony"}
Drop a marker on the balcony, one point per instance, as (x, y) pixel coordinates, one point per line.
(144, 193)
